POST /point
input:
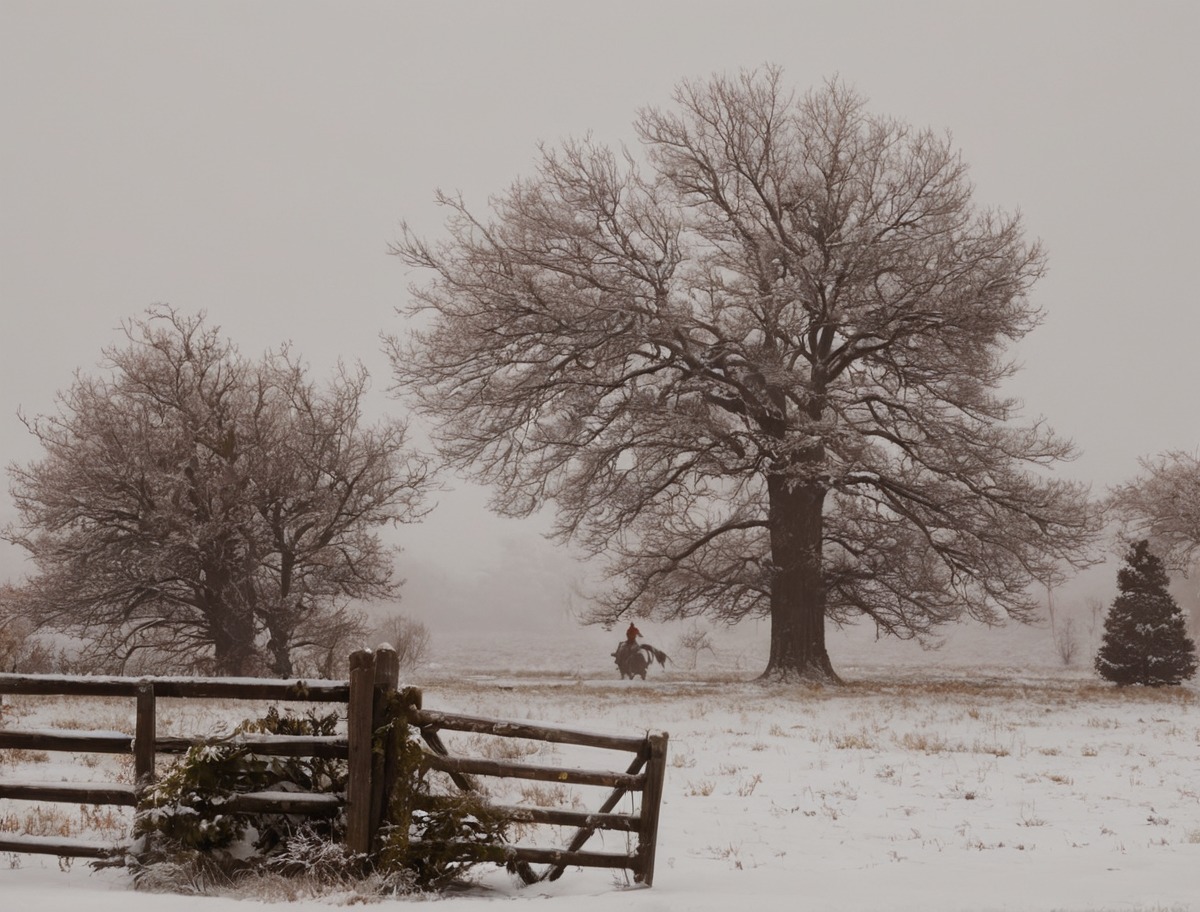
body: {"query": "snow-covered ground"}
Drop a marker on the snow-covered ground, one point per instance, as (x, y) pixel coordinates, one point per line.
(985, 776)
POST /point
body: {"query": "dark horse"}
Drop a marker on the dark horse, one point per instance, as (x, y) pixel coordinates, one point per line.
(633, 660)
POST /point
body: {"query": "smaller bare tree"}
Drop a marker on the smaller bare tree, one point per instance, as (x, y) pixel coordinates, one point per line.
(409, 637)
(694, 641)
(1066, 643)
(1096, 610)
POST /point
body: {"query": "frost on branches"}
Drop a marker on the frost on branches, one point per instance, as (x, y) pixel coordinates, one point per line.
(196, 510)
(757, 368)
(1144, 637)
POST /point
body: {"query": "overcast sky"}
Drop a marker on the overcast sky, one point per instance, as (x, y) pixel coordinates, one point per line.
(254, 159)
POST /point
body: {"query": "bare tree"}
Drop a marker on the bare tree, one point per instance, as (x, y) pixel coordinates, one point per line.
(1163, 505)
(202, 510)
(694, 641)
(409, 637)
(1066, 643)
(762, 376)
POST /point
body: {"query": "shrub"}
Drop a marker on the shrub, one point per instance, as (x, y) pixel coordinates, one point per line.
(186, 807)
(20, 649)
(188, 842)
(437, 838)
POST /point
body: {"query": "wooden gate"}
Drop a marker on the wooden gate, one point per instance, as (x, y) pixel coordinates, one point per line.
(644, 775)
(369, 698)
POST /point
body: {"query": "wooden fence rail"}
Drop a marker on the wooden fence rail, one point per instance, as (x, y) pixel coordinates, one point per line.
(145, 745)
(370, 705)
(645, 775)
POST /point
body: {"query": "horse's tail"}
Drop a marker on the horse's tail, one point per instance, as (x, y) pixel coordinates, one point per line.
(661, 656)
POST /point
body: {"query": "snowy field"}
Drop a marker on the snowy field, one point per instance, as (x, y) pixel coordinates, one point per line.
(985, 776)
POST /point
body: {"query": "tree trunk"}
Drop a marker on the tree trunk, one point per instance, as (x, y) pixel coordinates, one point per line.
(279, 645)
(233, 643)
(798, 588)
(230, 624)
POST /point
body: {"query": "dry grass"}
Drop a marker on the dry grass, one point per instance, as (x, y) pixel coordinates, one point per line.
(18, 755)
(927, 743)
(540, 794)
(39, 820)
(512, 750)
(860, 740)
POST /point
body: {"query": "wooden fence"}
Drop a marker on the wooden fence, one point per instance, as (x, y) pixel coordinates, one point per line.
(370, 706)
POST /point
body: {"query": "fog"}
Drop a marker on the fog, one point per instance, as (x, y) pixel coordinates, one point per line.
(254, 161)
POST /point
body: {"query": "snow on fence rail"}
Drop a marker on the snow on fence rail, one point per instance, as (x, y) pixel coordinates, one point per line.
(144, 745)
(367, 696)
(645, 774)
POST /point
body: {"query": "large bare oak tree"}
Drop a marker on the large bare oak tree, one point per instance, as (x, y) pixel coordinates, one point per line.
(758, 367)
(196, 509)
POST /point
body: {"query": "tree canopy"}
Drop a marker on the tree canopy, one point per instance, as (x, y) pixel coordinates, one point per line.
(757, 367)
(1163, 506)
(196, 509)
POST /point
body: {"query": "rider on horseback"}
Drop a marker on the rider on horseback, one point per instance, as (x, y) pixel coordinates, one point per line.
(630, 643)
(633, 658)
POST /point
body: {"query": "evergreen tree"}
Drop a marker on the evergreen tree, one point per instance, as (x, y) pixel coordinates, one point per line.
(1144, 637)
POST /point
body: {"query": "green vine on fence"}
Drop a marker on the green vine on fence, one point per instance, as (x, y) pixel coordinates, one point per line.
(183, 823)
(187, 806)
(428, 832)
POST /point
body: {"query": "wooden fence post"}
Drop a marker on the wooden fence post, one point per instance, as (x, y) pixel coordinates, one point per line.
(387, 675)
(145, 733)
(359, 712)
(656, 770)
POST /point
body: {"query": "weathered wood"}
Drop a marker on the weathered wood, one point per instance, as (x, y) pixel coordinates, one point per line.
(508, 729)
(373, 677)
(656, 769)
(464, 782)
(317, 691)
(72, 792)
(55, 845)
(503, 854)
(434, 740)
(97, 742)
(520, 813)
(253, 689)
(313, 804)
(387, 675)
(390, 772)
(143, 737)
(585, 832)
(508, 770)
(73, 685)
(335, 747)
(359, 734)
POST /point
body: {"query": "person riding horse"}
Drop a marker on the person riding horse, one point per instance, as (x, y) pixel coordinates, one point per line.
(634, 658)
(629, 645)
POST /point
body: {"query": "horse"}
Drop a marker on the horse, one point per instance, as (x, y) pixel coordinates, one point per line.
(633, 659)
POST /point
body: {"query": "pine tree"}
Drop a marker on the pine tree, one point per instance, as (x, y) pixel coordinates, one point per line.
(1144, 637)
